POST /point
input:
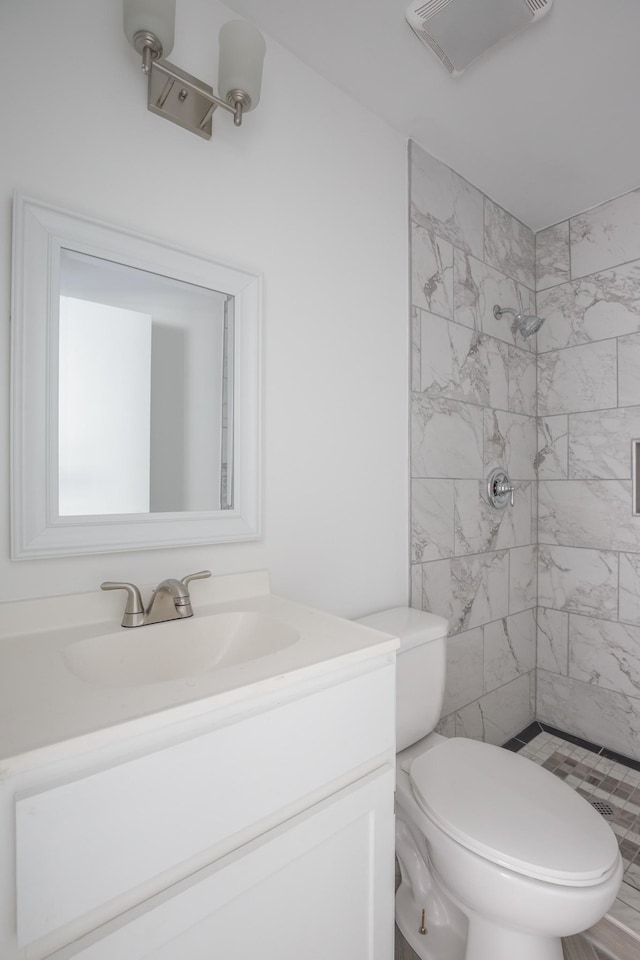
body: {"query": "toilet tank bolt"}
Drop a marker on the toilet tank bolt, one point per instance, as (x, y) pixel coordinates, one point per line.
(422, 928)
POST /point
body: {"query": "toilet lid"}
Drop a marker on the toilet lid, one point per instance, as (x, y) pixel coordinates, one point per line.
(513, 812)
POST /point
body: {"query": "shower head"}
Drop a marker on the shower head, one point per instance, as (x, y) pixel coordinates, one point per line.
(526, 324)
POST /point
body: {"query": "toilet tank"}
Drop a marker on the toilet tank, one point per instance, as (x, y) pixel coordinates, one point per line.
(420, 670)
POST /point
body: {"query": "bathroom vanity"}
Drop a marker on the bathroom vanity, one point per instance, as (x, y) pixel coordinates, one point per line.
(241, 810)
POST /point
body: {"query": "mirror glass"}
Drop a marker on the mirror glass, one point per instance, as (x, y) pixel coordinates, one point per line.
(135, 391)
(143, 391)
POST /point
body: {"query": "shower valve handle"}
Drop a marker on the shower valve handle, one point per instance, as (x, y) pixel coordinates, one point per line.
(500, 489)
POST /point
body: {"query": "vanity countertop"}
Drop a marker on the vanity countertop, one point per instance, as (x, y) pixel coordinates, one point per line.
(47, 712)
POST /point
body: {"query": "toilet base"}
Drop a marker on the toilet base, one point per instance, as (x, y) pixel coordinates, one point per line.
(442, 940)
(445, 923)
(482, 941)
(486, 941)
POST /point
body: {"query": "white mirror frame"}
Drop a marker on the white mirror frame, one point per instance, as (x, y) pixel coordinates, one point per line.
(40, 231)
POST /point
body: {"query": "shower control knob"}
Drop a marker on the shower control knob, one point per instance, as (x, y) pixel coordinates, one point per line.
(500, 489)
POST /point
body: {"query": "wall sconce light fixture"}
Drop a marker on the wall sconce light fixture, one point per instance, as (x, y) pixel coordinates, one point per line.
(175, 94)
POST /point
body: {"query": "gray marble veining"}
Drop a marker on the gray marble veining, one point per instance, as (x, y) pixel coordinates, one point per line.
(605, 653)
(534, 514)
(477, 288)
(510, 442)
(479, 527)
(509, 649)
(553, 443)
(600, 443)
(606, 235)
(464, 670)
(578, 580)
(523, 578)
(588, 513)
(446, 438)
(522, 371)
(553, 641)
(552, 256)
(598, 307)
(509, 245)
(468, 591)
(432, 503)
(600, 715)
(416, 346)
(462, 364)
(447, 726)
(431, 273)
(444, 203)
(629, 370)
(500, 714)
(578, 378)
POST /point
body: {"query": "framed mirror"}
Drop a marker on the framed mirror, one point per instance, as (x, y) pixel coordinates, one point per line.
(135, 391)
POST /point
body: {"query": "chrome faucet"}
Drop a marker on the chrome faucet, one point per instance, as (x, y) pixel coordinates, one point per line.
(169, 601)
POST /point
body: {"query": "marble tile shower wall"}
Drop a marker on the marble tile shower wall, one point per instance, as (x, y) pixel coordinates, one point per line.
(588, 282)
(473, 408)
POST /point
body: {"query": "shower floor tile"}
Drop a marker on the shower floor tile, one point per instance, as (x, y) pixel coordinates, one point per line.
(600, 777)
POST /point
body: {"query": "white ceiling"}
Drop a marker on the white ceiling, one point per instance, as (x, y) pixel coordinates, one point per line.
(546, 123)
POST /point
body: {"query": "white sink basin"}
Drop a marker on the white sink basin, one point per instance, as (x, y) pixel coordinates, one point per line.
(177, 649)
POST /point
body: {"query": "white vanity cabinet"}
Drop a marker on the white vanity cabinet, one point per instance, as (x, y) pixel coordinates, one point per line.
(314, 888)
(263, 829)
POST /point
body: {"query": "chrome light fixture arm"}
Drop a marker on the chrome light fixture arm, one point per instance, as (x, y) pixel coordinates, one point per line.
(149, 47)
(177, 95)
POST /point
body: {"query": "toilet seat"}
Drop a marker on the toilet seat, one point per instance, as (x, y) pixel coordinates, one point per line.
(513, 812)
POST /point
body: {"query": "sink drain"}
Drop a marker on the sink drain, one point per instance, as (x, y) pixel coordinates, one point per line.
(605, 809)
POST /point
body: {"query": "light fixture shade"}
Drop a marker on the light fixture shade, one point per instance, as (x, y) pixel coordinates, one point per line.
(242, 50)
(154, 16)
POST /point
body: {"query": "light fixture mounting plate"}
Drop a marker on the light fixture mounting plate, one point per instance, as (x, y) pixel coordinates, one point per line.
(178, 96)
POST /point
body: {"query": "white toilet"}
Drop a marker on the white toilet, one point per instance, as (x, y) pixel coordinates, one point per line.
(503, 858)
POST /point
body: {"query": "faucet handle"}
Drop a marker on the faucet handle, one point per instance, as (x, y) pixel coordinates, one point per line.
(202, 575)
(134, 610)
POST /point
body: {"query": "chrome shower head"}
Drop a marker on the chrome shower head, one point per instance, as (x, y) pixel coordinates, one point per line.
(527, 324)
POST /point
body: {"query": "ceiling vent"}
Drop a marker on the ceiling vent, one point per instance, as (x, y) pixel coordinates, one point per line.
(459, 31)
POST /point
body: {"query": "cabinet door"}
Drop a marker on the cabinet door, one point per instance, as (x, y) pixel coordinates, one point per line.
(316, 888)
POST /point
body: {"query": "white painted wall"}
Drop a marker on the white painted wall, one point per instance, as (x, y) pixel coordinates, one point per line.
(311, 192)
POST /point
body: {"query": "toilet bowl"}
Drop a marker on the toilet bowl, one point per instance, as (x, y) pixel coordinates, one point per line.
(498, 858)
